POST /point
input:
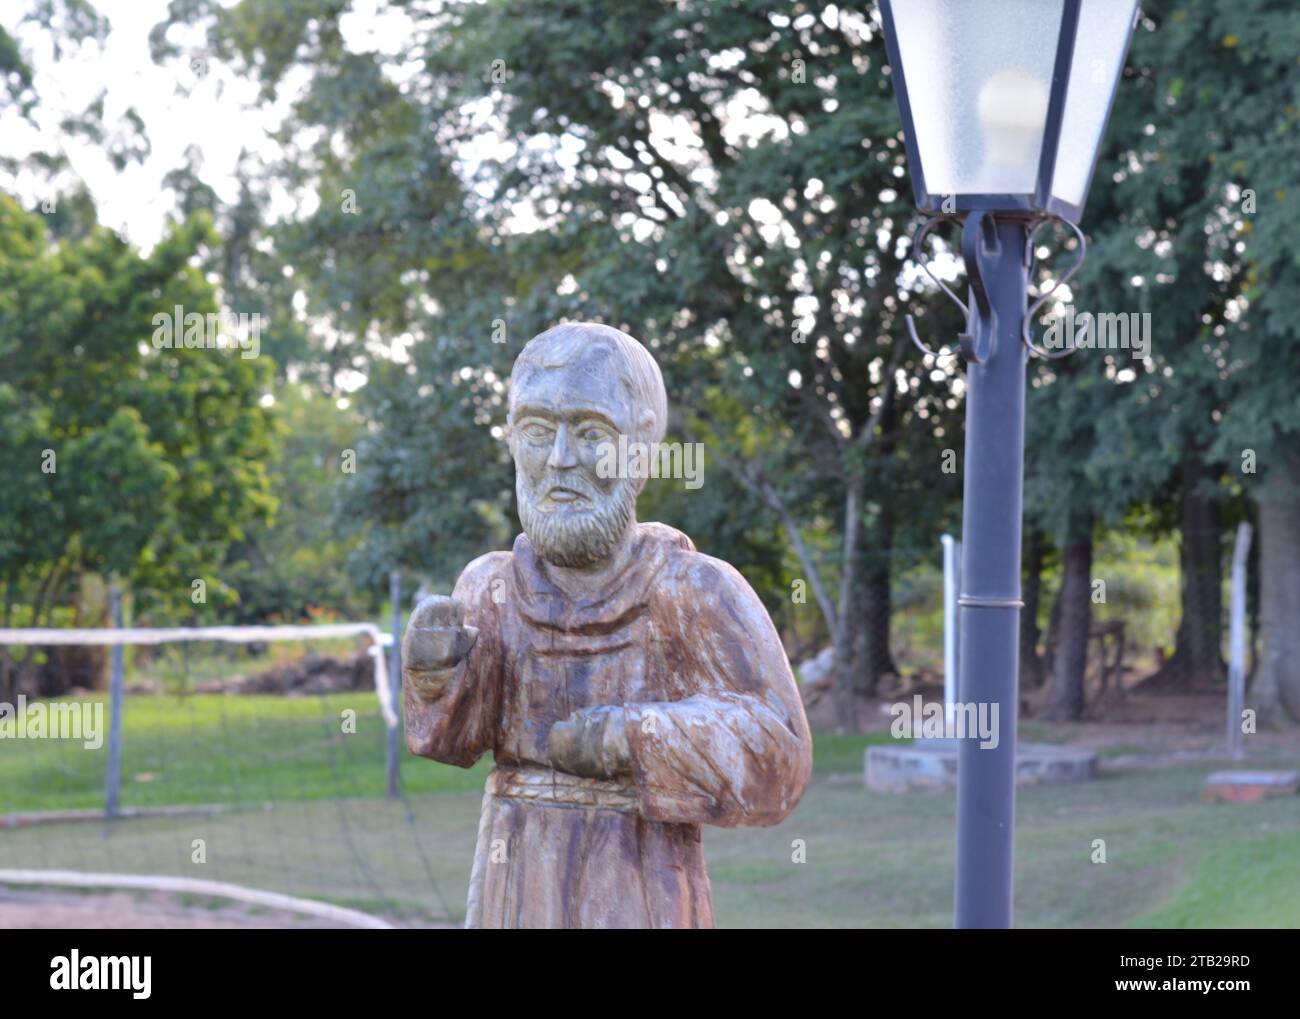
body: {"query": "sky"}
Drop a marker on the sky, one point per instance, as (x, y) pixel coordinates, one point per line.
(213, 117)
(182, 105)
(221, 113)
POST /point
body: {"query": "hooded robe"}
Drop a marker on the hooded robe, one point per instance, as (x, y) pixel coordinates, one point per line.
(679, 651)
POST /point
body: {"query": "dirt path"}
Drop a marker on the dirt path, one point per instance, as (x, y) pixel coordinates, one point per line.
(23, 908)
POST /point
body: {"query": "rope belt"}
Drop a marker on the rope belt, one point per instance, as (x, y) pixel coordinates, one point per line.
(537, 784)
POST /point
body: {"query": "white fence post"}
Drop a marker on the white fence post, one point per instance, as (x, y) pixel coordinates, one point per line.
(395, 687)
(1237, 641)
(114, 779)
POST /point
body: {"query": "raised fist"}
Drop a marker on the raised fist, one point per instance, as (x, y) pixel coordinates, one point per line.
(436, 641)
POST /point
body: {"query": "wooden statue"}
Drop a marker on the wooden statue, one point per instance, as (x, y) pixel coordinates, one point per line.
(630, 688)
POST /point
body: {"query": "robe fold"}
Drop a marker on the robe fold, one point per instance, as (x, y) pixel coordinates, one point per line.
(681, 650)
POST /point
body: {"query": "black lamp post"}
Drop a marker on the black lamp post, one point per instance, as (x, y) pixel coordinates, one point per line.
(1004, 104)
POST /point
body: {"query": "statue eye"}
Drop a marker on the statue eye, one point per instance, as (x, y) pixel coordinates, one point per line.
(536, 430)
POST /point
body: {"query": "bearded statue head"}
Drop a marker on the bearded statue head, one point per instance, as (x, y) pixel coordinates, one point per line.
(575, 391)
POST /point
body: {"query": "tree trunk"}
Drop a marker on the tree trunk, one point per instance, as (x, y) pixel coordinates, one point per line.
(1065, 692)
(862, 647)
(1031, 666)
(1053, 633)
(874, 605)
(844, 667)
(1197, 660)
(1277, 683)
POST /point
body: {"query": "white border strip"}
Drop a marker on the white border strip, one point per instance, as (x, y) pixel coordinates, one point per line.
(234, 634)
(194, 886)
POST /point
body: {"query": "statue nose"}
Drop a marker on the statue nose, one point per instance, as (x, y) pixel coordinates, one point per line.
(562, 454)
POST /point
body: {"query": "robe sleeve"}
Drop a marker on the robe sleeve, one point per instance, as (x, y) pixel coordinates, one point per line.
(460, 724)
(734, 749)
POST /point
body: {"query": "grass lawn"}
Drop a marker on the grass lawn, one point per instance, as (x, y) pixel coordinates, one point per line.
(312, 822)
(213, 748)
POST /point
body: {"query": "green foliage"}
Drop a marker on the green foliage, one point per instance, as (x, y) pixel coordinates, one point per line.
(155, 458)
(1187, 219)
(15, 73)
(714, 251)
(295, 567)
(722, 248)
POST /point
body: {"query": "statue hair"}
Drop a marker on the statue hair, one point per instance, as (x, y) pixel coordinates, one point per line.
(564, 344)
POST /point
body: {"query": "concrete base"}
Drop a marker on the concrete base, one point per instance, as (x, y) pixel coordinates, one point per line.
(931, 764)
(1249, 786)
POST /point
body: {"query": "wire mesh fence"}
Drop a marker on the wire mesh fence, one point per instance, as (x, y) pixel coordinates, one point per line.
(253, 766)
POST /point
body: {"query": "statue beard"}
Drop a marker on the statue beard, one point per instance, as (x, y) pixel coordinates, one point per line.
(567, 536)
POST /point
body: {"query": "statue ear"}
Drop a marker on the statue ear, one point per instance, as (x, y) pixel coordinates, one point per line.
(645, 424)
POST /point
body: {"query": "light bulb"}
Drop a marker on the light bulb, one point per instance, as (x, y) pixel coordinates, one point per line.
(1012, 109)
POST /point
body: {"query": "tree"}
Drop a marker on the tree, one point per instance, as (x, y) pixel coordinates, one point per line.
(126, 458)
(1150, 435)
(1205, 232)
(297, 565)
(724, 181)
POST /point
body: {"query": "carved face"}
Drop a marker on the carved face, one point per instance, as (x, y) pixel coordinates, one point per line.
(561, 420)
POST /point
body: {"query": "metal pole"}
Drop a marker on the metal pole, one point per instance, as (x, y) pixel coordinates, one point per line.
(114, 780)
(989, 624)
(1237, 641)
(395, 685)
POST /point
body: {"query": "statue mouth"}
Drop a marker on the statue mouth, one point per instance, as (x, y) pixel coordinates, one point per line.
(561, 494)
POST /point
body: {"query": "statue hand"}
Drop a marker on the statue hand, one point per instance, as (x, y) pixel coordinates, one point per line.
(436, 641)
(591, 743)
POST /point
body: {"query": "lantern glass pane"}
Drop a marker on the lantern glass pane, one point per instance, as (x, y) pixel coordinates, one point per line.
(1099, 51)
(978, 76)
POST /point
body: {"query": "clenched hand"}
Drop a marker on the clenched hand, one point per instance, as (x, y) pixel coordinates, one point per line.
(436, 641)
